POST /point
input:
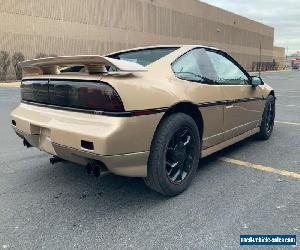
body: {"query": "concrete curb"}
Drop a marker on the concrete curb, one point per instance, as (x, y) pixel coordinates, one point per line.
(10, 84)
(270, 71)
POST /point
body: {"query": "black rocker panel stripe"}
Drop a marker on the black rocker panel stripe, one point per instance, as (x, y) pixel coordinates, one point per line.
(141, 112)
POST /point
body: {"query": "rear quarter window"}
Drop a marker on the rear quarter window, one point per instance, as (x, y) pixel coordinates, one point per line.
(144, 56)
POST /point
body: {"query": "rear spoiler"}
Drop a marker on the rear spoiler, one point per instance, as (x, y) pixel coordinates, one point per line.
(94, 65)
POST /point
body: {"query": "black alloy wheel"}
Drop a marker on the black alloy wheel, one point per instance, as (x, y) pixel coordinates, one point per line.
(174, 155)
(268, 119)
(180, 155)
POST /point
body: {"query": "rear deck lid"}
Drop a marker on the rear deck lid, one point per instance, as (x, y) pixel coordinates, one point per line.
(93, 64)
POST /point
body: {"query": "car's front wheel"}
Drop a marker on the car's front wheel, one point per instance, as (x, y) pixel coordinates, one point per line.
(268, 119)
(174, 155)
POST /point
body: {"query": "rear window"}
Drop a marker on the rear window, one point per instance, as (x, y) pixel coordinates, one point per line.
(144, 56)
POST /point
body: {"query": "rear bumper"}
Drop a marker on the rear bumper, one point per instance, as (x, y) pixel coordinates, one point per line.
(121, 143)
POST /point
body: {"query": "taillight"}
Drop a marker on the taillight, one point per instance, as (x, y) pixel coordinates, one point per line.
(35, 90)
(89, 95)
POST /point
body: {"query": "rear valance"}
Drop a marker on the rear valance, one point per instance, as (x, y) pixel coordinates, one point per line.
(94, 64)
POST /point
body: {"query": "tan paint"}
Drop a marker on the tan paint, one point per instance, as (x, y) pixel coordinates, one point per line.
(243, 116)
(123, 143)
(110, 135)
(229, 142)
(94, 64)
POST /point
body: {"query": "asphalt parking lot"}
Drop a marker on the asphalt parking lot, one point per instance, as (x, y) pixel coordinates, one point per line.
(61, 207)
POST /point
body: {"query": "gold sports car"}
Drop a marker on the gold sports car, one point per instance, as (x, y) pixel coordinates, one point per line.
(147, 112)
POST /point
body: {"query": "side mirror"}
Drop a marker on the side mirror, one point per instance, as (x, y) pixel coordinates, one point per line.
(256, 81)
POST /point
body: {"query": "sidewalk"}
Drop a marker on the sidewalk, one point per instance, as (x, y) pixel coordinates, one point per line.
(269, 71)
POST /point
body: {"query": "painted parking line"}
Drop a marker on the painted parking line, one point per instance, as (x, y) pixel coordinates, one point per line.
(288, 123)
(261, 167)
(289, 96)
(289, 106)
(292, 91)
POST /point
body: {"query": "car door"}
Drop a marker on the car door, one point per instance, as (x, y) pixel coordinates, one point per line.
(243, 103)
(198, 82)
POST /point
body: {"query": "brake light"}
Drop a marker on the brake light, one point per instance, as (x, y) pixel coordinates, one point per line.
(100, 97)
(89, 95)
(35, 90)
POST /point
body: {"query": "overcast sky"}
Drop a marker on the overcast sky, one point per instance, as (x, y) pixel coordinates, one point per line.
(283, 15)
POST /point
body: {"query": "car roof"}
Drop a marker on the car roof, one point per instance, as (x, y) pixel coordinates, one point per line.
(184, 47)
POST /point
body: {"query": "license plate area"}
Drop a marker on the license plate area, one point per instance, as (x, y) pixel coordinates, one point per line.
(46, 133)
(44, 138)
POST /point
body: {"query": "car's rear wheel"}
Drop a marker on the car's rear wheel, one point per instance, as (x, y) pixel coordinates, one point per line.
(174, 155)
(268, 119)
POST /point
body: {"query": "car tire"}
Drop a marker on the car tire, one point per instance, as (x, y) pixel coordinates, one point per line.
(174, 155)
(268, 119)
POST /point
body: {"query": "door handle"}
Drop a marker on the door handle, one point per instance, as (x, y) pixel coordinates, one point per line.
(230, 106)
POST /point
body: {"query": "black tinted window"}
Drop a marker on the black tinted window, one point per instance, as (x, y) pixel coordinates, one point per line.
(144, 56)
(195, 66)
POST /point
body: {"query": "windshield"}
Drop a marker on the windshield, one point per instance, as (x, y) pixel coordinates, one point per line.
(144, 56)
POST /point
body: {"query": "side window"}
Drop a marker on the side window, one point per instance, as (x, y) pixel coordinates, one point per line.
(227, 72)
(195, 66)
